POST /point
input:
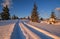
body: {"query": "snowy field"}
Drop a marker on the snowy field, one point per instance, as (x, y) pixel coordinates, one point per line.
(6, 28)
(51, 28)
(23, 29)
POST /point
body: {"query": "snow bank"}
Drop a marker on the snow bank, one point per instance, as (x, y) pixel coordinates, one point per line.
(5, 31)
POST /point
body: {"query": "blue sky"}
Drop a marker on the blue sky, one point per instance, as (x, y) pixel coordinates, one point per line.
(23, 8)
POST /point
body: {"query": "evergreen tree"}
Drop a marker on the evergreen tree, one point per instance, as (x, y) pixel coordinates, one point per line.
(41, 18)
(5, 14)
(0, 16)
(53, 15)
(34, 15)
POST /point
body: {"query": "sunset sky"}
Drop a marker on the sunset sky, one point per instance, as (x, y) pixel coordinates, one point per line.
(23, 8)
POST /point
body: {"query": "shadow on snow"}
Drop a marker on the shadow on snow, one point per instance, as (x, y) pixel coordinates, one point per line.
(17, 33)
(43, 36)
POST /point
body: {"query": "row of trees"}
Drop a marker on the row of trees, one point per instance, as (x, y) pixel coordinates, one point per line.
(5, 15)
(35, 15)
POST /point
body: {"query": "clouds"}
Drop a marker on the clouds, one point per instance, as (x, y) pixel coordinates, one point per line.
(58, 9)
(7, 2)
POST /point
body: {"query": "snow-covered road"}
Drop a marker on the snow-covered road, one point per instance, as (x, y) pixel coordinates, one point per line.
(10, 29)
(18, 29)
(39, 34)
(17, 33)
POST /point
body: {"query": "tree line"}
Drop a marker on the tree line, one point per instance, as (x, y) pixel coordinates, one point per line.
(5, 15)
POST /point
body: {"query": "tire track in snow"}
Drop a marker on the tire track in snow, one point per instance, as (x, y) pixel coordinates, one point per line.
(17, 33)
(29, 34)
